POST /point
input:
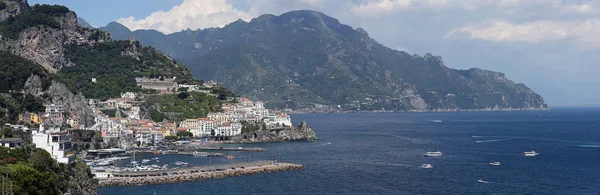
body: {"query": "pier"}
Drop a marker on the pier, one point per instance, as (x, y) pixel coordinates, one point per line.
(191, 173)
(191, 153)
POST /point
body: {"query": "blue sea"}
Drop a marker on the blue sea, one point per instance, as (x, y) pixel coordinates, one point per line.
(381, 153)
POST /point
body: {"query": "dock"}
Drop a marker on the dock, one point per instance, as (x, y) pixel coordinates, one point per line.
(191, 173)
(191, 153)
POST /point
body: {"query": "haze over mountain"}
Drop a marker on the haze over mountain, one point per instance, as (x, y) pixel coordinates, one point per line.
(306, 59)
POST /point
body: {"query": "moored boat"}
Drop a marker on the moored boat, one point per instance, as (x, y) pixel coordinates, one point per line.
(433, 154)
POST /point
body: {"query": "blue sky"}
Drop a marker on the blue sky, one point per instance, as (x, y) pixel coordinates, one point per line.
(550, 45)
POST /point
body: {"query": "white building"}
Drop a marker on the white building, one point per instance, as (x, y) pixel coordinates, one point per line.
(278, 119)
(128, 95)
(54, 142)
(199, 127)
(158, 138)
(143, 137)
(11, 143)
(229, 129)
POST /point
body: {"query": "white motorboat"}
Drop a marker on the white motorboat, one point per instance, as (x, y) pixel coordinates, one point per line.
(426, 166)
(145, 160)
(495, 163)
(531, 153)
(179, 163)
(433, 154)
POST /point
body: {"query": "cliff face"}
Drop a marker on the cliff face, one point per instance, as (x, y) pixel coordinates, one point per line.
(45, 44)
(75, 105)
(81, 181)
(301, 132)
(11, 8)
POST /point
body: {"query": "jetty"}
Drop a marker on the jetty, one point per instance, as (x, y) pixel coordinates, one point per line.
(136, 178)
(174, 152)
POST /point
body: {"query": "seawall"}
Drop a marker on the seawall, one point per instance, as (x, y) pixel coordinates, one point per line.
(195, 173)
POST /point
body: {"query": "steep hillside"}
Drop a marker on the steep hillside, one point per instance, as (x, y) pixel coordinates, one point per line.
(306, 59)
(40, 32)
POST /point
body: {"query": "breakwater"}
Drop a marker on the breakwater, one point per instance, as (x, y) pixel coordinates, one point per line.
(193, 173)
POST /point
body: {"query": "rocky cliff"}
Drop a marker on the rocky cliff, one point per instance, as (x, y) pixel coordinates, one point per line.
(81, 181)
(301, 132)
(43, 41)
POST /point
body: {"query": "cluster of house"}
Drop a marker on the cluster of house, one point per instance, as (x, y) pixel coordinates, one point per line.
(128, 123)
(229, 121)
(167, 85)
(54, 113)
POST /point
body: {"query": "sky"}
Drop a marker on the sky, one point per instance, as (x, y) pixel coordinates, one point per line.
(552, 46)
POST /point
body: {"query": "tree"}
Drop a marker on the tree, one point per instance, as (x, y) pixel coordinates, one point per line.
(171, 138)
(183, 95)
(42, 161)
(182, 89)
(185, 134)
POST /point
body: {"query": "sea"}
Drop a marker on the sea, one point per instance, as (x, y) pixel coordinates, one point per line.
(382, 153)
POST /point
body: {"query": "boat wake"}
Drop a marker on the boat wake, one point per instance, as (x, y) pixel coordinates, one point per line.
(589, 146)
(483, 181)
(493, 140)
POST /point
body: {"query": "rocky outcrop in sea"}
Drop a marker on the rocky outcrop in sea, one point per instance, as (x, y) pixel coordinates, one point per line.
(301, 132)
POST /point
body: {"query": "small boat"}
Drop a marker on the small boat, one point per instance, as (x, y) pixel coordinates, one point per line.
(229, 157)
(179, 163)
(155, 158)
(482, 181)
(531, 153)
(437, 121)
(433, 154)
(202, 154)
(495, 163)
(146, 161)
(426, 166)
(156, 152)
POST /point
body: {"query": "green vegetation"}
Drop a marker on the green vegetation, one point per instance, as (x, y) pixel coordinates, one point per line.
(173, 107)
(2, 5)
(185, 134)
(115, 73)
(38, 15)
(16, 70)
(35, 172)
(247, 127)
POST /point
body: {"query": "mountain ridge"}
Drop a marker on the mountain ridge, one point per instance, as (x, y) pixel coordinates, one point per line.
(306, 59)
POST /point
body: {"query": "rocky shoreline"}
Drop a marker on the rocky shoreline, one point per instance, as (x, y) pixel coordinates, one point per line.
(301, 132)
(140, 179)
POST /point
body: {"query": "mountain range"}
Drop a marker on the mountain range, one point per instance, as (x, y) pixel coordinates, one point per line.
(307, 60)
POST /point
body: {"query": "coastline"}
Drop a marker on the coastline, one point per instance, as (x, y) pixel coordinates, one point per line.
(195, 173)
(423, 111)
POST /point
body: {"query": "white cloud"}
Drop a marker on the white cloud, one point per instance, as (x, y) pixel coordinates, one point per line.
(586, 32)
(192, 14)
(375, 8)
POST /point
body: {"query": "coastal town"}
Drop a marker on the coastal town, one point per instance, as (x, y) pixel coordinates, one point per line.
(121, 123)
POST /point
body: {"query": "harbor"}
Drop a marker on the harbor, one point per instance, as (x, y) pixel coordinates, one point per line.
(134, 178)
